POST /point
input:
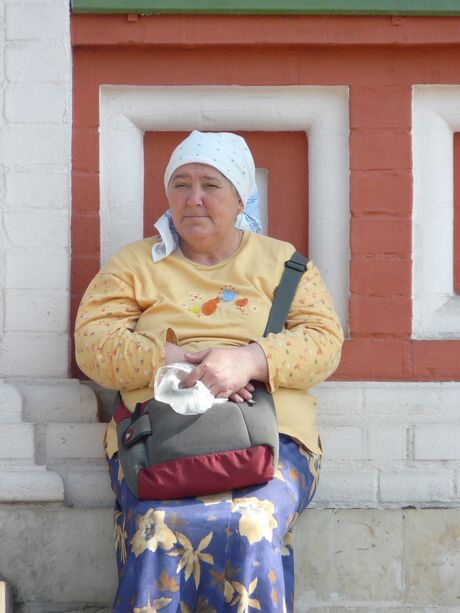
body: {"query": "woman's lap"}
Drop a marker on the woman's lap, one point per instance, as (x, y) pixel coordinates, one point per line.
(228, 552)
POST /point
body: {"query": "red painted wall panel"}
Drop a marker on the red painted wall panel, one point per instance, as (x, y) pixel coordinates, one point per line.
(379, 59)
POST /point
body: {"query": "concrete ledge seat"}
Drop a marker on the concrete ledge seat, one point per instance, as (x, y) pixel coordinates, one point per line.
(357, 560)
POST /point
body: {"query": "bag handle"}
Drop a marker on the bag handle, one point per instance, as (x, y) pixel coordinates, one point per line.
(284, 293)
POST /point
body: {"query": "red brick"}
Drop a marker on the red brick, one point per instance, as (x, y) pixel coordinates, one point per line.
(85, 192)
(85, 149)
(85, 114)
(381, 191)
(436, 360)
(85, 235)
(380, 106)
(380, 149)
(380, 317)
(377, 235)
(372, 360)
(381, 277)
(83, 270)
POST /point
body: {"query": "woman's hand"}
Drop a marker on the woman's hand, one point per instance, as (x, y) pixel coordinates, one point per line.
(227, 372)
(173, 353)
(243, 394)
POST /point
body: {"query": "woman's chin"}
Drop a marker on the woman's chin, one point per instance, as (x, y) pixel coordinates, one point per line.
(198, 232)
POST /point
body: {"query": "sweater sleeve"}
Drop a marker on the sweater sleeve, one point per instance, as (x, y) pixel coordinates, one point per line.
(308, 350)
(107, 347)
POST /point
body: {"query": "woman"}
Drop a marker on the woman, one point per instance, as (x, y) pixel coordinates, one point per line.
(201, 292)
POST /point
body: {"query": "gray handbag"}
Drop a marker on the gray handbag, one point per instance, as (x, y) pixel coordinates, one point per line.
(166, 455)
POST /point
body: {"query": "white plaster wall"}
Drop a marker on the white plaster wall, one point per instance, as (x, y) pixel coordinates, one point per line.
(35, 193)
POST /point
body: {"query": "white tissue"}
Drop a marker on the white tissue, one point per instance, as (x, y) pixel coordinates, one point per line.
(188, 400)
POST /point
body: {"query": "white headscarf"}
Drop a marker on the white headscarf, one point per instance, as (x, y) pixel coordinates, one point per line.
(228, 153)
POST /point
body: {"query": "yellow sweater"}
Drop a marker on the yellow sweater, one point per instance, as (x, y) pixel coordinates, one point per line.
(133, 306)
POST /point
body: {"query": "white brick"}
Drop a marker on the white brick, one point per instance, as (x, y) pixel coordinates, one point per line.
(36, 144)
(384, 398)
(46, 189)
(86, 486)
(10, 404)
(34, 355)
(344, 443)
(340, 398)
(73, 441)
(37, 269)
(37, 62)
(36, 21)
(35, 228)
(437, 442)
(58, 401)
(450, 395)
(35, 311)
(37, 485)
(17, 441)
(346, 486)
(387, 442)
(412, 487)
(47, 104)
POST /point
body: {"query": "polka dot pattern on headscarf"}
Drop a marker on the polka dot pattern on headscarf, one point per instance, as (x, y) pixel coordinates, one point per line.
(225, 151)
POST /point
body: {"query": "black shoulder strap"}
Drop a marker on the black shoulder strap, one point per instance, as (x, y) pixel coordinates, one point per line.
(293, 270)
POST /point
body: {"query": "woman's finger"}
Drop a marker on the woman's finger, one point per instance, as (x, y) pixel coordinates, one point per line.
(236, 398)
(190, 379)
(196, 357)
(244, 393)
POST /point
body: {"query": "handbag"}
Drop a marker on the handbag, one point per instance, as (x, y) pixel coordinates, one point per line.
(166, 455)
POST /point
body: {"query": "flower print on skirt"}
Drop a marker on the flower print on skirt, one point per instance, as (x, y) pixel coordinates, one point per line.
(226, 552)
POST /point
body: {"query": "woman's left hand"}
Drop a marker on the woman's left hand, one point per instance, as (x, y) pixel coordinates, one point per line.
(226, 372)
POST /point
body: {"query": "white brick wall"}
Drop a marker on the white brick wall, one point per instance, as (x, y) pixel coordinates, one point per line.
(437, 442)
(34, 354)
(25, 187)
(28, 21)
(17, 442)
(35, 129)
(2, 167)
(389, 444)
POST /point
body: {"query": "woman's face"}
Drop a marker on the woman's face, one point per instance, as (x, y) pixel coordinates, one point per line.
(204, 204)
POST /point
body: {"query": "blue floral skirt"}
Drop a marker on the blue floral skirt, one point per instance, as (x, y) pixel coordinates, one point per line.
(226, 552)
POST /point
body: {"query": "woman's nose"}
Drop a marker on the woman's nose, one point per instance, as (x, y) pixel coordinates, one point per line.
(195, 196)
